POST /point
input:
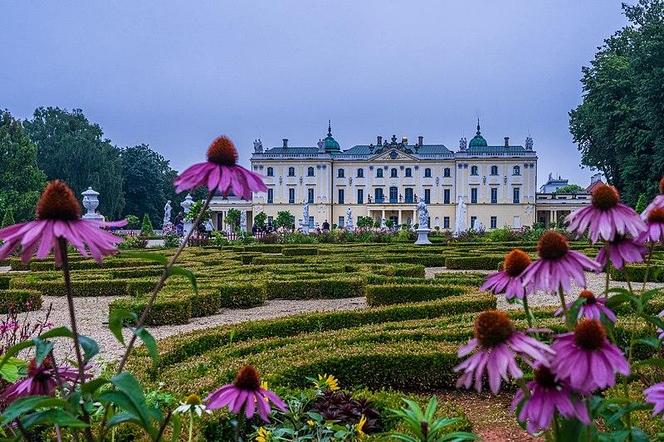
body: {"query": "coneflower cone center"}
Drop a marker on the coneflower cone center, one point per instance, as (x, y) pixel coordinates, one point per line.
(552, 245)
(193, 399)
(605, 197)
(58, 202)
(493, 327)
(545, 378)
(661, 185)
(589, 334)
(248, 379)
(656, 216)
(588, 296)
(222, 151)
(516, 262)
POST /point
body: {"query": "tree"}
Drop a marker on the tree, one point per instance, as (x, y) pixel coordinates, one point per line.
(132, 221)
(365, 221)
(71, 148)
(284, 219)
(21, 180)
(233, 218)
(148, 182)
(146, 227)
(260, 220)
(570, 188)
(619, 126)
(8, 218)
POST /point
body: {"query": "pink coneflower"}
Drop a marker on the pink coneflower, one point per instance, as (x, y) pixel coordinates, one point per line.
(622, 250)
(606, 217)
(497, 343)
(586, 359)
(221, 173)
(656, 203)
(59, 216)
(245, 394)
(41, 380)
(592, 307)
(548, 396)
(509, 280)
(654, 225)
(558, 266)
(655, 396)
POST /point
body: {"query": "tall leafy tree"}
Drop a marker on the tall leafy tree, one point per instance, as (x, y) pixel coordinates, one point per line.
(21, 180)
(71, 148)
(619, 126)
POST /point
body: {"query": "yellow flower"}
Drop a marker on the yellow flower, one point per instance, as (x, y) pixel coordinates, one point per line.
(263, 435)
(193, 399)
(311, 423)
(264, 385)
(330, 381)
(359, 428)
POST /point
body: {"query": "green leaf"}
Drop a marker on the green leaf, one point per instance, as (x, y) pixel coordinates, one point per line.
(90, 347)
(10, 372)
(58, 332)
(94, 385)
(616, 300)
(175, 270)
(150, 343)
(655, 362)
(53, 417)
(116, 321)
(42, 350)
(651, 341)
(29, 403)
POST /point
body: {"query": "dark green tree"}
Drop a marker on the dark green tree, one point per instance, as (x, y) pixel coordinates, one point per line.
(284, 219)
(71, 148)
(7, 218)
(146, 226)
(619, 126)
(233, 218)
(260, 220)
(570, 188)
(21, 180)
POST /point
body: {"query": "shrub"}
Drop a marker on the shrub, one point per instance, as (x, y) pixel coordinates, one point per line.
(398, 294)
(79, 288)
(638, 273)
(205, 303)
(4, 282)
(264, 248)
(146, 226)
(299, 251)
(133, 242)
(19, 300)
(242, 295)
(474, 262)
(315, 289)
(8, 218)
(165, 311)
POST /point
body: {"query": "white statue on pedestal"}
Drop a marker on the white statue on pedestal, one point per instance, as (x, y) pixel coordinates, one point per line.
(91, 202)
(243, 221)
(423, 224)
(460, 222)
(186, 207)
(349, 219)
(167, 214)
(383, 223)
(304, 223)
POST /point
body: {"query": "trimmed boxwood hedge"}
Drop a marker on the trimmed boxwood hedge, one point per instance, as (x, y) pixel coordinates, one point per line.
(315, 289)
(299, 251)
(4, 281)
(399, 294)
(113, 287)
(474, 262)
(636, 273)
(242, 295)
(166, 310)
(18, 300)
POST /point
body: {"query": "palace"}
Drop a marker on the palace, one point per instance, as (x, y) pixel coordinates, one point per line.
(386, 179)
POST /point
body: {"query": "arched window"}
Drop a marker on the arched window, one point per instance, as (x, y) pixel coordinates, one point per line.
(494, 170)
(427, 173)
(516, 170)
(341, 173)
(409, 172)
(379, 173)
(291, 171)
(360, 173)
(310, 171)
(446, 172)
(393, 173)
(270, 171)
(473, 170)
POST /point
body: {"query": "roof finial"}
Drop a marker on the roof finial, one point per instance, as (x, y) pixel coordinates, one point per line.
(329, 128)
(478, 127)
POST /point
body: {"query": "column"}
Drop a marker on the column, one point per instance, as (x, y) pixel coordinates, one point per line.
(400, 221)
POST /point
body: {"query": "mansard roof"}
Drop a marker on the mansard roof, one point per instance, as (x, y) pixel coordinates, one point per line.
(488, 150)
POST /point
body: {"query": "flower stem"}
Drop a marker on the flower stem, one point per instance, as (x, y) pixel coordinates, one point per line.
(526, 309)
(563, 306)
(645, 277)
(191, 425)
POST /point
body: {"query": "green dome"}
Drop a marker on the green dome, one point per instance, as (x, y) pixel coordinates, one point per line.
(330, 144)
(478, 140)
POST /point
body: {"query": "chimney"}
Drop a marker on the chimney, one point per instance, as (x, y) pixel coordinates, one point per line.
(285, 140)
(507, 141)
(420, 140)
(379, 140)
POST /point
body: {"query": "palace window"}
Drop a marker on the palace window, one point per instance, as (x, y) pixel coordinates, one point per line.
(446, 172)
(494, 195)
(270, 196)
(291, 196)
(473, 195)
(341, 173)
(516, 170)
(473, 222)
(291, 171)
(378, 195)
(446, 196)
(341, 222)
(427, 173)
(360, 173)
(409, 195)
(494, 222)
(446, 222)
(516, 195)
(473, 170)
(394, 195)
(341, 196)
(409, 172)
(427, 196)
(494, 170)
(360, 196)
(310, 171)
(393, 173)
(310, 195)
(270, 171)
(379, 173)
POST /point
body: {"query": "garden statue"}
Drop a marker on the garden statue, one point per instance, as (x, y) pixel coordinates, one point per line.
(423, 224)
(91, 202)
(243, 221)
(460, 222)
(167, 214)
(186, 206)
(349, 219)
(304, 223)
(383, 223)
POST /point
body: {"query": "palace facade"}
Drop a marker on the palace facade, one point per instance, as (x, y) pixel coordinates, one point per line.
(386, 179)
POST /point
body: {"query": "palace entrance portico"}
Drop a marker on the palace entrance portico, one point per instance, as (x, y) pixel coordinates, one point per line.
(399, 213)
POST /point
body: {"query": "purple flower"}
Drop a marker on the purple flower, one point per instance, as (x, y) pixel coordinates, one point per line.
(655, 396)
(586, 359)
(41, 380)
(656, 203)
(606, 217)
(654, 224)
(497, 344)
(221, 173)
(58, 216)
(509, 281)
(558, 266)
(548, 396)
(592, 307)
(245, 394)
(622, 250)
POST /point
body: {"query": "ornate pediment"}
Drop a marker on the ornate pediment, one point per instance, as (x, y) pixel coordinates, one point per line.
(393, 154)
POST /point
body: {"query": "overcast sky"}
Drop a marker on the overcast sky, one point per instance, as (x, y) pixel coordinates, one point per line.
(175, 74)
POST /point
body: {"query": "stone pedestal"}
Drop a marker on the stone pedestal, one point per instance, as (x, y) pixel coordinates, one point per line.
(422, 237)
(91, 202)
(186, 206)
